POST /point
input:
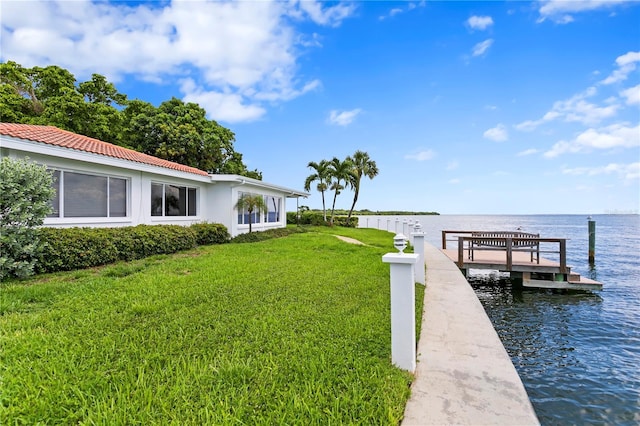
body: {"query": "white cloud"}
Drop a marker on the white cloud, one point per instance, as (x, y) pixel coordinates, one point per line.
(497, 134)
(230, 107)
(421, 156)
(628, 172)
(618, 135)
(332, 16)
(236, 53)
(560, 11)
(397, 10)
(343, 118)
(454, 181)
(526, 152)
(482, 47)
(479, 22)
(574, 109)
(632, 95)
(453, 165)
(626, 64)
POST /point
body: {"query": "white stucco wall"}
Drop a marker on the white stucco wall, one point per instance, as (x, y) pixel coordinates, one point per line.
(217, 195)
(138, 197)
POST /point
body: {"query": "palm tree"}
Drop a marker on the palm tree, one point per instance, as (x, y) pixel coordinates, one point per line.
(322, 176)
(362, 166)
(251, 203)
(340, 171)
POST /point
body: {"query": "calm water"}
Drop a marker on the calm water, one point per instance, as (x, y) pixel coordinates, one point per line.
(578, 353)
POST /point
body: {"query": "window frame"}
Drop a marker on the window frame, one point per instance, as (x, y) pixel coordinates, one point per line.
(260, 218)
(278, 209)
(191, 194)
(243, 216)
(59, 201)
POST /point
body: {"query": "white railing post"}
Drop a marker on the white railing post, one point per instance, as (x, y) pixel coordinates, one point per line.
(403, 309)
(404, 227)
(411, 224)
(418, 248)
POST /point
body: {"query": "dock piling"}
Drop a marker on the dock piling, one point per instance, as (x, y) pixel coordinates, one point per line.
(592, 240)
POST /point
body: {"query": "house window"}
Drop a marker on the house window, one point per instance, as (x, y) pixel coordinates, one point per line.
(87, 195)
(272, 212)
(173, 200)
(243, 214)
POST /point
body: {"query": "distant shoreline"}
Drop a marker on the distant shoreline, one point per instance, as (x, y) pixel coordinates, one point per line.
(379, 213)
(394, 213)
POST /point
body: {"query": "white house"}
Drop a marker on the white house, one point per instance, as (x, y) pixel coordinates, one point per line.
(101, 185)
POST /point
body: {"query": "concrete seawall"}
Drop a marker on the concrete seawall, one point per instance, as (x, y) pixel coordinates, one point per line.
(464, 375)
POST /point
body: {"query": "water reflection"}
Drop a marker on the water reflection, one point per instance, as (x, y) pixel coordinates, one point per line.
(561, 348)
(593, 272)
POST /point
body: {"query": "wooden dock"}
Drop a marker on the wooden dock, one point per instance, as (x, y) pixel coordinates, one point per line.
(518, 253)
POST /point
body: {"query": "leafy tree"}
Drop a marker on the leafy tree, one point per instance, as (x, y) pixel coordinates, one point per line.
(49, 96)
(104, 121)
(175, 131)
(180, 132)
(251, 203)
(25, 192)
(362, 165)
(18, 101)
(322, 176)
(341, 171)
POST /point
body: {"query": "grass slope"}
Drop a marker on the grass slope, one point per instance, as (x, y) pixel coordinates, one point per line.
(292, 330)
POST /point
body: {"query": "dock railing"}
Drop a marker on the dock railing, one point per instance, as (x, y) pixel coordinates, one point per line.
(506, 241)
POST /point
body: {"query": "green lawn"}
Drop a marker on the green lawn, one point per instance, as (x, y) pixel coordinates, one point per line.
(292, 330)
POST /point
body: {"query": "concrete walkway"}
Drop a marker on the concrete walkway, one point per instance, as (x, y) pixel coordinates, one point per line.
(464, 375)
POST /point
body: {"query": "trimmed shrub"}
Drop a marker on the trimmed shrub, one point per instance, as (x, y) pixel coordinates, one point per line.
(210, 233)
(307, 218)
(315, 218)
(342, 221)
(254, 237)
(25, 192)
(67, 249)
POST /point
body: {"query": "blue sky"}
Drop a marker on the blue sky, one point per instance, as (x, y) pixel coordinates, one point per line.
(466, 107)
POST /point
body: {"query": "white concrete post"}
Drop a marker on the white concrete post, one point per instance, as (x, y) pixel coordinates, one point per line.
(418, 248)
(367, 222)
(403, 308)
(410, 231)
(388, 224)
(404, 227)
(397, 223)
(378, 224)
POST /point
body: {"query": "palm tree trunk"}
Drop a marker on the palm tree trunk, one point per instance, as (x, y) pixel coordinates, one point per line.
(355, 200)
(333, 207)
(250, 214)
(324, 209)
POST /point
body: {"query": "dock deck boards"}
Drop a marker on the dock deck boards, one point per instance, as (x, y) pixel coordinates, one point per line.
(497, 257)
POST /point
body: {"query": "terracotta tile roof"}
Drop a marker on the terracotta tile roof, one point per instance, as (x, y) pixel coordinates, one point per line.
(53, 136)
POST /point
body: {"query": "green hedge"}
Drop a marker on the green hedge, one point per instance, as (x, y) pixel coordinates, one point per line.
(210, 233)
(68, 249)
(254, 237)
(316, 219)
